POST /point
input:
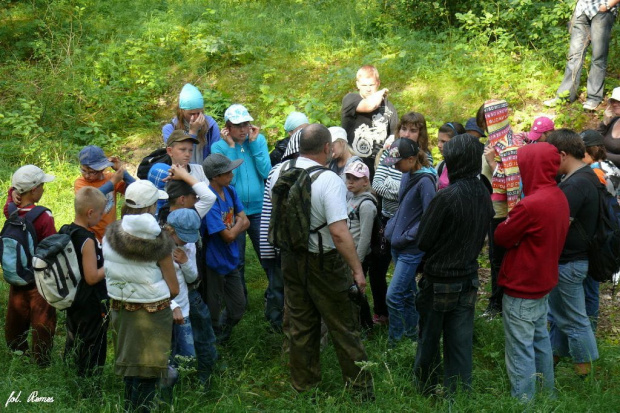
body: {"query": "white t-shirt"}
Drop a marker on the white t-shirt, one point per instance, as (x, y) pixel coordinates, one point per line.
(198, 172)
(329, 203)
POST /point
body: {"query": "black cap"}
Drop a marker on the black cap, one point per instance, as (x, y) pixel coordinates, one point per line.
(400, 148)
(176, 189)
(592, 138)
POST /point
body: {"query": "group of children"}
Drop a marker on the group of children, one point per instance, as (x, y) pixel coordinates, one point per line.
(169, 280)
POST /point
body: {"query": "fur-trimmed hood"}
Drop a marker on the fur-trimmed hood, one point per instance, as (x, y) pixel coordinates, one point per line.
(138, 249)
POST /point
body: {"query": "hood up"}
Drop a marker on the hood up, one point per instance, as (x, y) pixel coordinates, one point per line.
(463, 156)
(539, 165)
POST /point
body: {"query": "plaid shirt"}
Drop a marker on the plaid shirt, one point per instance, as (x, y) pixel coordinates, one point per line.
(591, 7)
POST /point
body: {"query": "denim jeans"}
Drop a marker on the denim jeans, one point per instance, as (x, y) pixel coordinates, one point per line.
(529, 357)
(204, 337)
(254, 232)
(274, 296)
(447, 309)
(596, 31)
(400, 297)
(182, 341)
(591, 290)
(571, 333)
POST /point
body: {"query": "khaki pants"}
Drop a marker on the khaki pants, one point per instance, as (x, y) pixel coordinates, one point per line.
(312, 293)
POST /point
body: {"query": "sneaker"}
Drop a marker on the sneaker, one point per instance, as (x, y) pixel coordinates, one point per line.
(380, 320)
(590, 106)
(552, 102)
(491, 313)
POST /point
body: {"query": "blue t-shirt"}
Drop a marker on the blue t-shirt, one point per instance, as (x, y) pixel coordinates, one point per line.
(222, 257)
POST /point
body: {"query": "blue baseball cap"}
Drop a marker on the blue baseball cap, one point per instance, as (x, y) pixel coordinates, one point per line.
(158, 173)
(186, 223)
(190, 98)
(93, 157)
(473, 126)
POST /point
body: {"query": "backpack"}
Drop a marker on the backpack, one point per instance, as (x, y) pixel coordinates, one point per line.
(18, 241)
(604, 247)
(377, 241)
(289, 225)
(157, 156)
(56, 269)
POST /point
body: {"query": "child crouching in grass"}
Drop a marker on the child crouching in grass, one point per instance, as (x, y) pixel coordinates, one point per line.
(87, 318)
(362, 207)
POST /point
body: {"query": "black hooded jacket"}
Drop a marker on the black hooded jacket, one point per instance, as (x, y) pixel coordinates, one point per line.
(453, 228)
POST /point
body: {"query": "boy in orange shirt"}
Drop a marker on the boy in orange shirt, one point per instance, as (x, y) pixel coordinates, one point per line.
(93, 164)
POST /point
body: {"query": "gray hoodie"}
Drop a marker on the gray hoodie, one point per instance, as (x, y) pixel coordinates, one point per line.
(361, 218)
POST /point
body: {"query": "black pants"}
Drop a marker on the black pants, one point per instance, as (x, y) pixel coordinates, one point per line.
(86, 343)
(496, 256)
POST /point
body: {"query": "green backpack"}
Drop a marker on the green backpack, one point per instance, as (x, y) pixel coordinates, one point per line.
(289, 225)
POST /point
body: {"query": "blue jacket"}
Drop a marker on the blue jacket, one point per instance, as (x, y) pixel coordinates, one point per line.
(416, 192)
(249, 178)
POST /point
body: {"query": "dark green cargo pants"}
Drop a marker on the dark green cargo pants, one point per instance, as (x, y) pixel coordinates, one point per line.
(312, 292)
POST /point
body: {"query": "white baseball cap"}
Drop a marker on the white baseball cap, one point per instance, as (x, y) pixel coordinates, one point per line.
(615, 94)
(29, 177)
(143, 194)
(338, 133)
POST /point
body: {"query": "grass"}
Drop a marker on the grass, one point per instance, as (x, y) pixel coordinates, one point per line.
(253, 373)
(78, 72)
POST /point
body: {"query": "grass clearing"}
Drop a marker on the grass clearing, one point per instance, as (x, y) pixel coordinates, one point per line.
(78, 72)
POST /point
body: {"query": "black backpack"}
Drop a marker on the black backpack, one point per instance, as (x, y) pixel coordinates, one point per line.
(18, 241)
(604, 247)
(289, 225)
(157, 156)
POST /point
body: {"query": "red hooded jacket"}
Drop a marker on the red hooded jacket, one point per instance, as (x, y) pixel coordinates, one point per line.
(535, 230)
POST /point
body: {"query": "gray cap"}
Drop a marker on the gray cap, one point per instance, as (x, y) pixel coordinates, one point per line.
(217, 164)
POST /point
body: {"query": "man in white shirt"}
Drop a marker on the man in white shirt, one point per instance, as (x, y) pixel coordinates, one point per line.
(317, 283)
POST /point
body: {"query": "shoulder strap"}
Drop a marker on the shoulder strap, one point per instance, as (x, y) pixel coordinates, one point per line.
(34, 213)
(12, 208)
(319, 169)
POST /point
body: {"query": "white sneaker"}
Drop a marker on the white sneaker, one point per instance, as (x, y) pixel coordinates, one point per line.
(551, 102)
(590, 106)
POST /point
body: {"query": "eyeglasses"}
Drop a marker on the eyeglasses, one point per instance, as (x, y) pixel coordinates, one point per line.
(89, 172)
(241, 125)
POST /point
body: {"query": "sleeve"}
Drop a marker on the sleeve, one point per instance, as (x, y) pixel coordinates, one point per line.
(236, 201)
(214, 131)
(384, 184)
(167, 130)
(9, 199)
(349, 106)
(393, 118)
(107, 187)
(427, 193)
(334, 198)
(128, 180)
(260, 153)
(206, 198)
(45, 225)
(367, 213)
(189, 269)
(213, 221)
(575, 197)
(433, 218)
(510, 232)
(174, 305)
